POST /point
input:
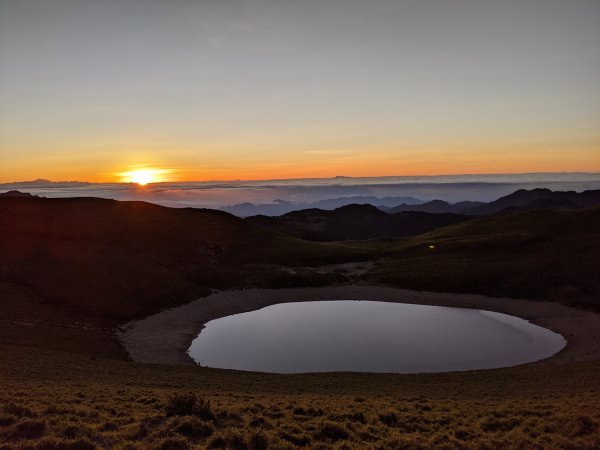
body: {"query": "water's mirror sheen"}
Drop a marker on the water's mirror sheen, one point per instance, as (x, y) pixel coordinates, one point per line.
(369, 336)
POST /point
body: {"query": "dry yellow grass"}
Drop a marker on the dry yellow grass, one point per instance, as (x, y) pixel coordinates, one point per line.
(55, 400)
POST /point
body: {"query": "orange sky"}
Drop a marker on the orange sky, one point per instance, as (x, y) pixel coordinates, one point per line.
(517, 158)
(288, 89)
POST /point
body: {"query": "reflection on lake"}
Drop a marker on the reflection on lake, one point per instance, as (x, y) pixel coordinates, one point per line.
(368, 336)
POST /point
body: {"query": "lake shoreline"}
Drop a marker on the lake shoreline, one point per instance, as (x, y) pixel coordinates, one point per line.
(165, 337)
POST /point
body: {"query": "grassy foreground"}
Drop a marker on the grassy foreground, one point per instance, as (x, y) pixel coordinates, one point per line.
(56, 400)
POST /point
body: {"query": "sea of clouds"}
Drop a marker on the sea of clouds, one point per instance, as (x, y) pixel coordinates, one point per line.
(293, 194)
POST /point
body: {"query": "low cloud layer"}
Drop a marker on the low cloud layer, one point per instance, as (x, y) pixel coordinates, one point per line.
(222, 194)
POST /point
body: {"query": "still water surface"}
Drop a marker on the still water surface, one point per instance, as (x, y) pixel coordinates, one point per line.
(368, 336)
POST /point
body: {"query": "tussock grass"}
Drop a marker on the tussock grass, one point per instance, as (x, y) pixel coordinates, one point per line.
(121, 405)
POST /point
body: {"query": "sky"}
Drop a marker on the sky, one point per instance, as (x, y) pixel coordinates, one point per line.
(260, 89)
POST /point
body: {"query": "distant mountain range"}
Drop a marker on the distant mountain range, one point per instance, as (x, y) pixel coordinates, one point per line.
(519, 200)
(523, 200)
(433, 206)
(16, 194)
(42, 182)
(283, 207)
(358, 222)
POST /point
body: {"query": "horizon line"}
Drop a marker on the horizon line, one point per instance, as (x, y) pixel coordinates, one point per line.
(39, 180)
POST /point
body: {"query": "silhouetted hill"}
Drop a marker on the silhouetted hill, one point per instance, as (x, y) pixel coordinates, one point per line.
(16, 194)
(283, 207)
(122, 259)
(354, 222)
(119, 260)
(434, 206)
(523, 199)
(535, 254)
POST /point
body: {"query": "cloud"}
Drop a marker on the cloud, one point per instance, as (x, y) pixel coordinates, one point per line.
(218, 194)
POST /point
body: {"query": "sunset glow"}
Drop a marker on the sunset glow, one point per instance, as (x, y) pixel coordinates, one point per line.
(144, 176)
(262, 90)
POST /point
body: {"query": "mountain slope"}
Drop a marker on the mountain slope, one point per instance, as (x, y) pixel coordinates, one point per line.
(538, 199)
(434, 207)
(354, 222)
(280, 207)
(540, 254)
(123, 259)
(120, 260)
(521, 200)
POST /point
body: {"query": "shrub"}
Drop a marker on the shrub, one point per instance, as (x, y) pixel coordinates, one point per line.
(358, 417)
(236, 442)
(18, 410)
(584, 426)
(61, 444)
(390, 419)
(189, 405)
(233, 441)
(173, 444)
(6, 421)
(493, 425)
(203, 409)
(332, 432)
(258, 422)
(73, 432)
(309, 412)
(30, 429)
(181, 405)
(217, 442)
(226, 419)
(298, 441)
(258, 441)
(462, 434)
(195, 429)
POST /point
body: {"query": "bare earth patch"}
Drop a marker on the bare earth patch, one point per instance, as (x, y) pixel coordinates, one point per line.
(165, 337)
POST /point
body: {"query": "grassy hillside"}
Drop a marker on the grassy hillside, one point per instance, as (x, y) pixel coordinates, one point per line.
(355, 222)
(552, 255)
(118, 260)
(123, 259)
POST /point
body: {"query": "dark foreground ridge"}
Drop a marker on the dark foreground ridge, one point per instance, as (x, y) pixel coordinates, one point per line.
(121, 260)
(126, 259)
(73, 270)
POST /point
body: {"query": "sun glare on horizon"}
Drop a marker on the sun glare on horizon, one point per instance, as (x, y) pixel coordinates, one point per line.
(144, 176)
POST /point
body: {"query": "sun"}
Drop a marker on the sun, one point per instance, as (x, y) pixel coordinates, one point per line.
(144, 176)
(141, 177)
